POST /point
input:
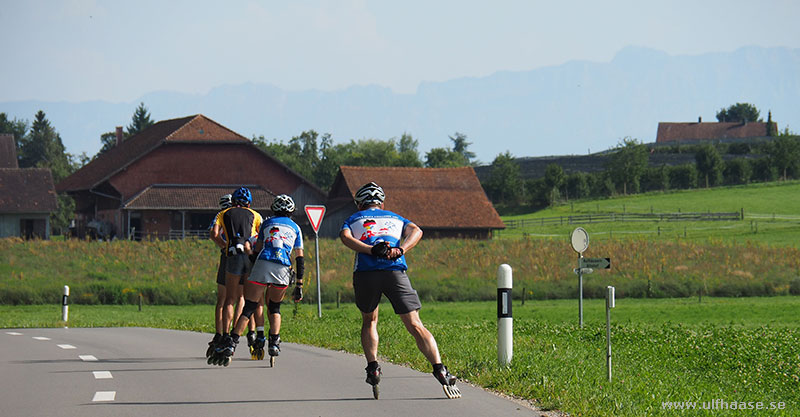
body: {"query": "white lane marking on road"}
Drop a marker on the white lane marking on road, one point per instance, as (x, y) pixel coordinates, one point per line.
(14, 333)
(67, 347)
(41, 338)
(102, 375)
(104, 396)
(88, 358)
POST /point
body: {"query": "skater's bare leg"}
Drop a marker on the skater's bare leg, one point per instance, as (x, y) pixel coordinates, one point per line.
(232, 294)
(275, 295)
(369, 335)
(218, 309)
(425, 340)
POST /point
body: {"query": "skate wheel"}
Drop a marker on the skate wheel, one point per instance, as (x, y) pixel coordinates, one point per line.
(227, 361)
(260, 355)
(451, 391)
(376, 391)
(271, 361)
(210, 360)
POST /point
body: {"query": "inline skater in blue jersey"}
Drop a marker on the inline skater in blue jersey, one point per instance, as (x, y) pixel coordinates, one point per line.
(380, 239)
(272, 272)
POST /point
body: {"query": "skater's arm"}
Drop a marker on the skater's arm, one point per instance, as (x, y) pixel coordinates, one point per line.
(216, 236)
(347, 238)
(411, 236)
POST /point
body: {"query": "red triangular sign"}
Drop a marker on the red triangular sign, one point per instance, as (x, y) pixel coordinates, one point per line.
(315, 214)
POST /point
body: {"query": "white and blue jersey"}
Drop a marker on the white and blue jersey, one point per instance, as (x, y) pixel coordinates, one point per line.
(372, 226)
(280, 235)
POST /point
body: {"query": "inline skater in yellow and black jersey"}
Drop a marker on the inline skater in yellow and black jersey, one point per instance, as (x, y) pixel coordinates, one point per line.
(240, 225)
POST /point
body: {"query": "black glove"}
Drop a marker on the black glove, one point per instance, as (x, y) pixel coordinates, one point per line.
(381, 250)
(297, 295)
(253, 256)
(222, 251)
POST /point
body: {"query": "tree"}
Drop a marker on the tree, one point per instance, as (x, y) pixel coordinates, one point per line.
(460, 146)
(739, 112)
(140, 120)
(577, 186)
(504, 184)
(42, 148)
(683, 177)
(16, 127)
(738, 171)
(627, 164)
(407, 153)
(784, 154)
(459, 156)
(709, 164)
(554, 179)
(655, 179)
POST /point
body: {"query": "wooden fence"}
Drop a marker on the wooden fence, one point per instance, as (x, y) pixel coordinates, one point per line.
(621, 217)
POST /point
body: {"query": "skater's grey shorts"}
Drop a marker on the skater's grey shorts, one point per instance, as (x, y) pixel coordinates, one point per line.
(266, 272)
(369, 285)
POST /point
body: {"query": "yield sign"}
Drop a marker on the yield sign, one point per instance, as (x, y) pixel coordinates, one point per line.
(315, 214)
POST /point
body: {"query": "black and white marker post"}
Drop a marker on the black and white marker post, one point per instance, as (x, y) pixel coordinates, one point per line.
(65, 305)
(505, 322)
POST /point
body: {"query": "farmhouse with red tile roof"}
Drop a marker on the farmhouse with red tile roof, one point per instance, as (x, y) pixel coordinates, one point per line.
(443, 202)
(165, 182)
(28, 195)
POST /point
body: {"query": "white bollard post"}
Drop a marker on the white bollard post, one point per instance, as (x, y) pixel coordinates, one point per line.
(65, 304)
(609, 305)
(505, 332)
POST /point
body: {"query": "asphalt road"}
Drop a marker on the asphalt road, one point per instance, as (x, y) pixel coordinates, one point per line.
(153, 372)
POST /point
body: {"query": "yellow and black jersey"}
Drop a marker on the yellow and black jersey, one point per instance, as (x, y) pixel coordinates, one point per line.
(239, 224)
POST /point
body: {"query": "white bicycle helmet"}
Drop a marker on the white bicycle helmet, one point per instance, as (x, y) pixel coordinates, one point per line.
(369, 194)
(226, 201)
(283, 204)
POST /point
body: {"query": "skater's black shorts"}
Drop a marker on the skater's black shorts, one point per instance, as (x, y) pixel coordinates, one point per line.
(238, 265)
(369, 285)
(221, 270)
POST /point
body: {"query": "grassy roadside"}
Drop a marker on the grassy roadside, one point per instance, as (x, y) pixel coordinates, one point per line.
(737, 349)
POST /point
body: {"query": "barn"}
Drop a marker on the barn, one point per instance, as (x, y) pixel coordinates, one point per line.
(165, 182)
(443, 202)
(28, 195)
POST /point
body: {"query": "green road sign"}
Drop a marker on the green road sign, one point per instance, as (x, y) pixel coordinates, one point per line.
(596, 263)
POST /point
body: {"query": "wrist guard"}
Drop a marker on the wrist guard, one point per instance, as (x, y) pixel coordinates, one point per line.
(380, 250)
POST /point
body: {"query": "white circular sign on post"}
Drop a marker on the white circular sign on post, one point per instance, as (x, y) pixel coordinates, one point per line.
(579, 239)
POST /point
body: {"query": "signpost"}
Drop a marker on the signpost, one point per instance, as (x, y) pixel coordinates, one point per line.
(609, 306)
(315, 215)
(580, 242)
(579, 239)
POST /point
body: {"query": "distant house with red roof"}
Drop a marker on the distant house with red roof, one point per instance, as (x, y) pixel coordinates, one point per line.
(700, 131)
(28, 195)
(443, 202)
(165, 182)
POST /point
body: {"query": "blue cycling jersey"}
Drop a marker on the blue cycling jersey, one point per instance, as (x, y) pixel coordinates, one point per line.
(279, 235)
(372, 226)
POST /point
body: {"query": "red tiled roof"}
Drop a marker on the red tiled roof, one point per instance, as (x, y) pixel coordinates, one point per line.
(673, 132)
(192, 197)
(447, 198)
(27, 190)
(197, 128)
(8, 151)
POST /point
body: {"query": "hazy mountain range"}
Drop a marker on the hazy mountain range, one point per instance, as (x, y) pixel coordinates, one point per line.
(572, 108)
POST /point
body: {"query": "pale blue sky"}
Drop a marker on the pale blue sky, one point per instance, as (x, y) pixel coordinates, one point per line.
(78, 50)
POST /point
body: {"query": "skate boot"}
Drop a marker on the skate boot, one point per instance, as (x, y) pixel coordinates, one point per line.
(374, 377)
(274, 348)
(212, 345)
(448, 382)
(257, 349)
(223, 354)
(251, 338)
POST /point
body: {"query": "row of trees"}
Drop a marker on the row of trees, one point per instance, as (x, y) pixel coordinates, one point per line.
(627, 171)
(318, 158)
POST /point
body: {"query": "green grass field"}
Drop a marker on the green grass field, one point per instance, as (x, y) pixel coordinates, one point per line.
(771, 215)
(736, 349)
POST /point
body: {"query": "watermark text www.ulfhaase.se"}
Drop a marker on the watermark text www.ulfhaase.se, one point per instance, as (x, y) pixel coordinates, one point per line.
(720, 404)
